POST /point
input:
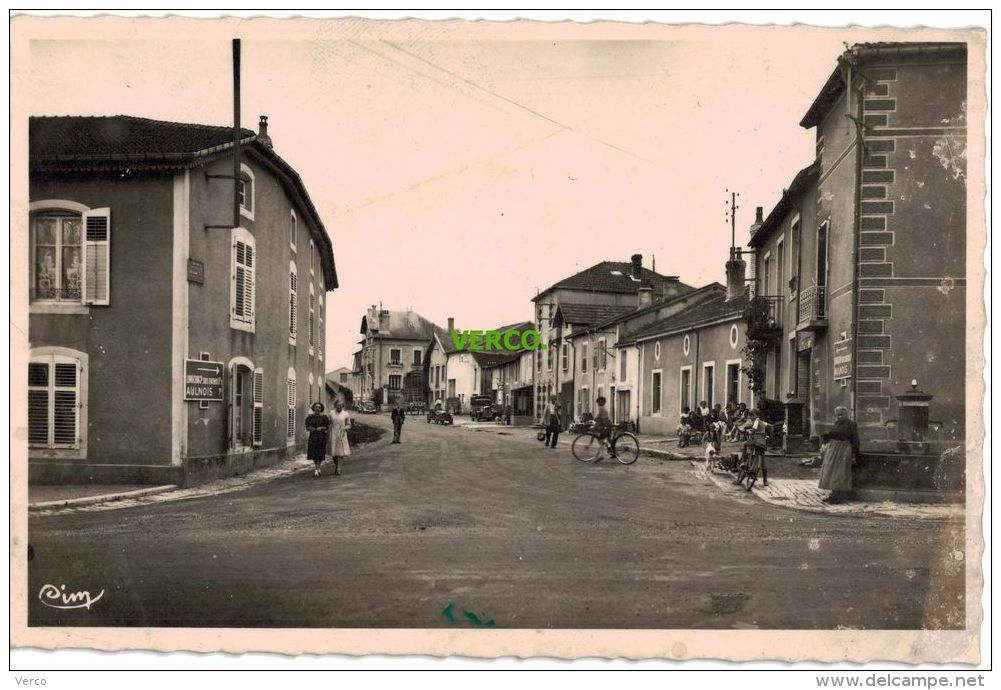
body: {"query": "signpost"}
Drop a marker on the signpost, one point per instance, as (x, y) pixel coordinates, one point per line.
(843, 359)
(203, 380)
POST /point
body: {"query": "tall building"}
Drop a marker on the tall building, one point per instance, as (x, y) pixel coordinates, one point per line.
(862, 262)
(175, 323)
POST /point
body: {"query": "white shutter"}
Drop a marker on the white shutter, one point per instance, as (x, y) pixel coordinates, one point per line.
(258, 407)
(291, 408)
(248, 289)
(97, 256)
(293, 308)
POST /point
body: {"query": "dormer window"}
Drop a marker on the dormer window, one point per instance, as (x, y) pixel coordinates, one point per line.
(246, 190)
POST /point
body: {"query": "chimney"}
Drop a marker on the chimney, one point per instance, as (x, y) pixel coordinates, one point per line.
(758, 220)
(643, 296)
(637, 264)
(451, 324)
(262, 133)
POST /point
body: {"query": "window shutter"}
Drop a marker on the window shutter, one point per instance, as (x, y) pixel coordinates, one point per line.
(248, 289)
(292, 304)
(38, 403)
(97, 257)
(258, 407)
(291, 408)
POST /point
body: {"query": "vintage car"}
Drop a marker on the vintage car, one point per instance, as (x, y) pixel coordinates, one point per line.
(440, 415)
(482, 408)
(366, 408)
(416, 408)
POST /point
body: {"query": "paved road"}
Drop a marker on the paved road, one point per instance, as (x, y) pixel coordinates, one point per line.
(465, 528)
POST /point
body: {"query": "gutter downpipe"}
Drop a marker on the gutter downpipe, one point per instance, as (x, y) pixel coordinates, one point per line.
(856, 232)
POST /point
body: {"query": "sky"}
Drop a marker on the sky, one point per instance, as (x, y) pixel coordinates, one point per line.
(459, 176)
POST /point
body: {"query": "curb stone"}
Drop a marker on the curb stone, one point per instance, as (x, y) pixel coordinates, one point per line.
(172, 492)
(803, 495)
(101, 498)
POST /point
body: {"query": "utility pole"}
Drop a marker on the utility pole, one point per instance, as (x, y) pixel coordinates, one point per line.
(732, 217)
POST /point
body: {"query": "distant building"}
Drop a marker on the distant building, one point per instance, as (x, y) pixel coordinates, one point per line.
(595, 294)
(166, 341)
(862, 261)
(690, 357)
(395, 344)
(602, 368)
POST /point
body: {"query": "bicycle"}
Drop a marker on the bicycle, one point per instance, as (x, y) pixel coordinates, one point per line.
(622, 445)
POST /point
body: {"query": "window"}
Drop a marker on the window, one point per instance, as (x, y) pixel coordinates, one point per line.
(293, 302)
(71, 255)
(246, 189)
(733, 382)
(451, 388)
(584, 401)
(56, 398)
(293, 230)
(685, 391)
(565, 357)
(709, 383)
(312, 259)
(655, 392)
(396, 356)
(290, 401)
(321, 334)
(583, 358)
(797, 246)
(602, 355)
(242, 301)
(780, 268)
(418, 357)
(822, 254)
(343, 378)
(395, 382)
(549, 357)
(622, 365)
(766, 274)
(312, 319)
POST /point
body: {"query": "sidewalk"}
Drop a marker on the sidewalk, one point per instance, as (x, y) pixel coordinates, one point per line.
(59, 499)
(803, 494)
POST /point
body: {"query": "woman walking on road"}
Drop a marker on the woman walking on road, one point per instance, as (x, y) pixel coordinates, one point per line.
(318, 426)
(841, 445)
(340, 422)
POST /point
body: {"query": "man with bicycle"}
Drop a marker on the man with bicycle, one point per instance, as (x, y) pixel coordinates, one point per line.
(602, 429)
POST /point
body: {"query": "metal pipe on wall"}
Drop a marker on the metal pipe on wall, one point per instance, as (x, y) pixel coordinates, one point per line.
(236, 133)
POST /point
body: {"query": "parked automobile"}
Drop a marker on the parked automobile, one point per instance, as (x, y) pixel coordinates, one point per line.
(366, 408)
(416, 408)
(481, 407)
(440, 415)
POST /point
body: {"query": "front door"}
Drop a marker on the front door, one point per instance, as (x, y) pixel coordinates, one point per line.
(241, 407)
(622, 406)
(803, 391)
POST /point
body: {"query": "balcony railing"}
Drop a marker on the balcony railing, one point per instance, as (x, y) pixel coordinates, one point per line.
(813, 304)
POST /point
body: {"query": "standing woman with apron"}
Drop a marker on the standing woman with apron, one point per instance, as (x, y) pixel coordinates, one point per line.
(340, 422)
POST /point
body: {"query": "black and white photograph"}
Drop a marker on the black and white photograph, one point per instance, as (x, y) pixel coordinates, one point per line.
(558, 339)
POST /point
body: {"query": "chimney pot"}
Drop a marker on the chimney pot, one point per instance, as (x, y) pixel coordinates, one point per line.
(262, 133)
(759, 215)
(637, 260)
(451, 324)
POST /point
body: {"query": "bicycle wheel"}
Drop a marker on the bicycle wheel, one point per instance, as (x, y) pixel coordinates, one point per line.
(585, 448)
(626, 449)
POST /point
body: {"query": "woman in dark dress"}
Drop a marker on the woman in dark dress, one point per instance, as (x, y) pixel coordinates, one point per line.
(318, 426)
(841, 445)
